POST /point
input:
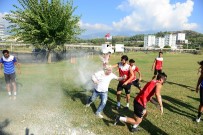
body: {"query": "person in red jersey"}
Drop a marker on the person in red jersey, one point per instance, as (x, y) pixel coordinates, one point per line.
(135, 69)
(124, 70)
(157, 65)
(140, 101)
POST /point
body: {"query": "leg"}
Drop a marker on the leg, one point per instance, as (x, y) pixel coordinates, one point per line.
(103, 97)
(127, 92)
(8, 84)
(118, 94)
(92, 98)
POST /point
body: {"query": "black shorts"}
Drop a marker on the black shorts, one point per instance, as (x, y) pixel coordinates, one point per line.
(138, 109)
(127, 87)
(157, 71)
(136, 83)
(201, 95)
(9, 78)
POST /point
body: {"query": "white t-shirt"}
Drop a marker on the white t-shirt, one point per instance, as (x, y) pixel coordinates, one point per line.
(103, 80)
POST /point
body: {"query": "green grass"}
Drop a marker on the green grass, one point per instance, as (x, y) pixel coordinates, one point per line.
(44, 84)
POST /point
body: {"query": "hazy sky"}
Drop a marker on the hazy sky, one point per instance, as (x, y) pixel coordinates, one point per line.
(133, 16)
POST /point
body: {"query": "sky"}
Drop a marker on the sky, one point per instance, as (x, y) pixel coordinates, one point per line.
(131, 17)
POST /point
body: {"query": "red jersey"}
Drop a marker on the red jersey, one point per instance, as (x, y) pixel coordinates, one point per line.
(135, 69)
(147, 92)
(124, 70)
(158, 64)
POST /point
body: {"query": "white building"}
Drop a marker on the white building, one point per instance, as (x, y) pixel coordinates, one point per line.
(149, 41)
(180, 38)
(2, 28)
(170, 40)
(160, 41)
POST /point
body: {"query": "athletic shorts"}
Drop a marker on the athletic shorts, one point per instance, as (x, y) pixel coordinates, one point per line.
(9, 78)
(136, 83)
(138, 109)
(157, 71)
(201, 95)
(127, 87)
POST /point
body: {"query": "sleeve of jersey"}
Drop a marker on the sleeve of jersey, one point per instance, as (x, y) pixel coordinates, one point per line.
(14, 59)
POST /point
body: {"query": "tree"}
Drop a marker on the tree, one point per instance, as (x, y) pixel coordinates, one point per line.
(45, 23)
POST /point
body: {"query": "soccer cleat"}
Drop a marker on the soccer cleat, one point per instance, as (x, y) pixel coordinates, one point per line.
(198, 119)
(99, 115)
(116, 119)
(134, 129)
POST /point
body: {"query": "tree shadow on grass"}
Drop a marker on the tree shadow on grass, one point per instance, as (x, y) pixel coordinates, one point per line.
(177, 105)
(3, 125)
(181, 85)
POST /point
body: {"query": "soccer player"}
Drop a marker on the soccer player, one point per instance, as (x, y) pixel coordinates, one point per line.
(140, 101)
(9, 62)
(124, 70)
(200, 84)
(102, 80)
(157, 65)
(135, 69)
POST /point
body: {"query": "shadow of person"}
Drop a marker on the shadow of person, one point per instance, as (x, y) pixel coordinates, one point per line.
(176, 106)
(181, 85)
(197, 99)
(3, 125)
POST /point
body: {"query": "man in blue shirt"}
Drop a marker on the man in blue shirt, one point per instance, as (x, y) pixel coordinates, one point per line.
(9, 62)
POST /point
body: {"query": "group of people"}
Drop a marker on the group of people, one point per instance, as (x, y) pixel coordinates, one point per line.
(8, 62)
(127, 78)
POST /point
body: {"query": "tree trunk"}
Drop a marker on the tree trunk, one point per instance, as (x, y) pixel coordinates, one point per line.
(49, 57)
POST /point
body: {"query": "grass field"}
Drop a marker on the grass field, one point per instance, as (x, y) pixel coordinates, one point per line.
(51, 99)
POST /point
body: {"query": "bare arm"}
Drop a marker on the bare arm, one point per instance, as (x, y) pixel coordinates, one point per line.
(153, 66)
(94, 79)
(158, 96)
(18, 67)
(140, 75)
(198, 82)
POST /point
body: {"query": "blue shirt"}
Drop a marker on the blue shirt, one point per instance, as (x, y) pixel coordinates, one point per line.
(9, 66)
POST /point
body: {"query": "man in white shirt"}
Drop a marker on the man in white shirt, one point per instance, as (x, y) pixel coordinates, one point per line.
(102, 80)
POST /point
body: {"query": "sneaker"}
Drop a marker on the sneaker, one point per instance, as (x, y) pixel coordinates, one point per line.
(99, 115)
(198, 119)
(118, 107)
(134, 129)
(116, 119)
(87, 105)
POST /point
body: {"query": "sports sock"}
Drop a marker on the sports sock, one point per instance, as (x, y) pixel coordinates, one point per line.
(124, 119)
(199, 114)
(118, 104)
(135, 125)
(9, 93)
(14, 93)
(127, 105)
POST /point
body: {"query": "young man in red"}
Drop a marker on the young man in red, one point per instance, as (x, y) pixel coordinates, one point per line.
(151, 88)
(124, 70)
(157, 65)
(135, 69)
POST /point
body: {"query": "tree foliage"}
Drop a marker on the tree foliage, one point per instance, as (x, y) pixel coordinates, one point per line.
(45, 23)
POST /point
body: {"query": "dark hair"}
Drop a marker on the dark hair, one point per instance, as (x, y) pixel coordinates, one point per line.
(5, 51)
(200, 63)
(124, 57)
(160, 53)
(132, 61)
(161, 75)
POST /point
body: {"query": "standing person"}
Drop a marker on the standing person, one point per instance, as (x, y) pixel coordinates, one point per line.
(102, 80)
(135, 69)
(200, 85)
(158, 65)
(9, 62)
(124, 69)
(140, 101)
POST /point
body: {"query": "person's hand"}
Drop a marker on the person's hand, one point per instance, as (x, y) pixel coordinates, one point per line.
(197, 90)
(19, 72)
(125, 83)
